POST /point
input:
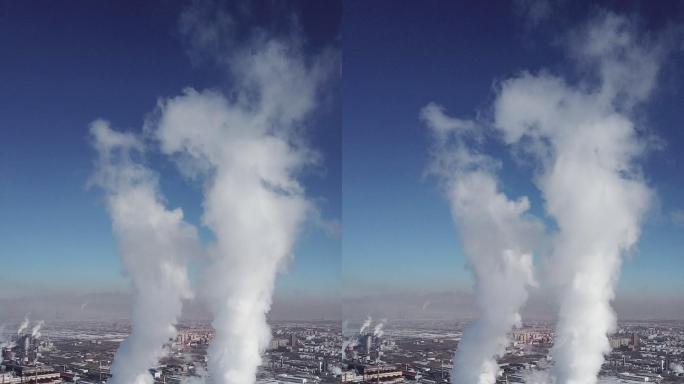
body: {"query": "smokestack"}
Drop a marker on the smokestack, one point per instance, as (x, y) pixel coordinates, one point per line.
(154, 243)
(587, 145)
(248, 150)
(497, 235)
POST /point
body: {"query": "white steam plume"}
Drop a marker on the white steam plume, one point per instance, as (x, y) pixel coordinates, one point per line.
(248, 148)
(35, 331)
(366, 325)
(497, 235)
(378, 330)
(586, 142)
(154, 243)
(23, 326)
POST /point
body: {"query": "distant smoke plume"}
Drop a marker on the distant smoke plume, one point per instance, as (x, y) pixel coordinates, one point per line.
(26, 324)
(35, 331)
(365, 325)
(154, 243)
(378, 330)
(585, 139)
(248, 149)
(497, 235)
(353, 340)
(23, 326)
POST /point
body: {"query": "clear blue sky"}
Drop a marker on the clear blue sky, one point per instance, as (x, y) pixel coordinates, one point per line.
(398, 56)
(65, 64)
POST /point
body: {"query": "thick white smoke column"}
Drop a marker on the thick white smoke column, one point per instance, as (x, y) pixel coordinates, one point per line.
(249, 149)
(586, 141)
(497, 235)
(153, 243)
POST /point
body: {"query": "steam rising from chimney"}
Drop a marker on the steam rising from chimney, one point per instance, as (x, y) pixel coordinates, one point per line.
(154, 243)
(249, 151)
(365, 325)
(586, 142)
(378, 330)
(35, 331)
(23, 326)
(497, 235)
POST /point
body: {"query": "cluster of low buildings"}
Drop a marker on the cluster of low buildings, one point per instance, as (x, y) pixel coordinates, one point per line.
(318, 353)
(299, 353)
(369, 357)
(647, 352)
(20, 361)
(304, 353)
(422, 353)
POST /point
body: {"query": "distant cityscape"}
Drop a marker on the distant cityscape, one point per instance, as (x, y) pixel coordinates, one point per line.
(320, 352)
(422, 352)
(82, 352)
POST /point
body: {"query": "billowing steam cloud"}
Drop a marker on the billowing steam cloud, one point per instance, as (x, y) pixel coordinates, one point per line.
(248, 149)
(585, 139)
(153, 243)
(497, 235)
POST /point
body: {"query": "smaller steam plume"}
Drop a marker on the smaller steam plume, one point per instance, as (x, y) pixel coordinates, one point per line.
(366, 330)
(378, 330)
(497, 234)
(154, 243)
(366, 325)
(23, 326)
(35, 331)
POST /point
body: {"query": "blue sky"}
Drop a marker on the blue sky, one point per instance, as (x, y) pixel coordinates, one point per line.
(64, 65)
(398, 56)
